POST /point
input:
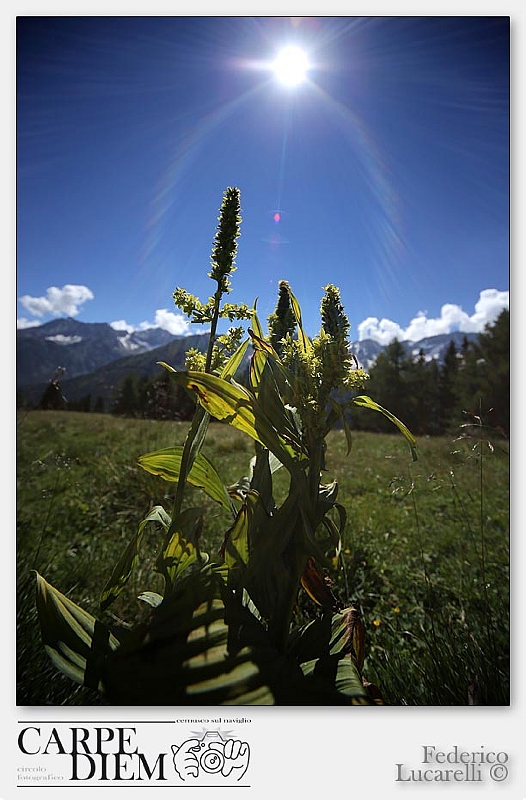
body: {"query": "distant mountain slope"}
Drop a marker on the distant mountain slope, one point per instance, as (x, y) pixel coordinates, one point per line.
(98, 358)
(105, 381)
(433, 347)
(79, 347)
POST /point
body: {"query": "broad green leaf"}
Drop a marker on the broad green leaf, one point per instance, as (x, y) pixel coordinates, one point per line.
(234, 550)
(256, 325)
(75, 641)
(267, 576)
(232, 403)
(338, 663)
(282, 417)
(181, 550)
(124, 567)
(262, 467)
(366, 402)
(234, 361)
(166, 464)
(348, 634)
(258, 363)
(184, 656)
(152, 598)
(192, 445)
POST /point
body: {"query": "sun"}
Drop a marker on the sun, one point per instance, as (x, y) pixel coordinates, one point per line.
(291, 66)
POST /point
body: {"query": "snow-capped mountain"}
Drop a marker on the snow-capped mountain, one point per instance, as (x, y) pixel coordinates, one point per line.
(83, 349)
(78, 347)
(433, 347)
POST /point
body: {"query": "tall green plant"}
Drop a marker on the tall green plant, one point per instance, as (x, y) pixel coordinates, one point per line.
(224, 631)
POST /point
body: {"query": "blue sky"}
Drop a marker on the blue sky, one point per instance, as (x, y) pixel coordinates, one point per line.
(385, 172)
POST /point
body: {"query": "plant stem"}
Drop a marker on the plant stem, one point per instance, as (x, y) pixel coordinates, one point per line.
(196, 434)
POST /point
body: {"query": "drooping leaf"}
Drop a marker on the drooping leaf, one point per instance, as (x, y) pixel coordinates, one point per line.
(348, 627)
(333, 543)
(125, 565)
(76, 642)
(232, 403)
(166, 464)
(318, 588)
(366, 402)
(151, 598)
(339, 666)
(260, 343)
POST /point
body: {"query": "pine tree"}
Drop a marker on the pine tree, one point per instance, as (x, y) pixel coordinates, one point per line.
(421, 388)
(448, 397)
(387, 384)
(126, 403)
(484, 379)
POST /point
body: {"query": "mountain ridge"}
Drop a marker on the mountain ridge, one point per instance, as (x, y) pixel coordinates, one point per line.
(79, 347)
(95, 358)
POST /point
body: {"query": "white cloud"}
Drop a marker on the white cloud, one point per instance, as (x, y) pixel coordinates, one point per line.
(65, 340)
(452, 318)
(176, 324)
(122, 325)
(490, 303)
(382, 331)
(58, 301)
(22, 323)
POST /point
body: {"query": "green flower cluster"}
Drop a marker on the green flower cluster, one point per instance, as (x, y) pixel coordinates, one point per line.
(203, 313)
(224, 346)
(225, 240)
(281, 323)
(320, 367)
(224, 250)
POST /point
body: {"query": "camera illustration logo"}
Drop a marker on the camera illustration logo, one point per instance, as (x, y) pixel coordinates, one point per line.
(211, 758)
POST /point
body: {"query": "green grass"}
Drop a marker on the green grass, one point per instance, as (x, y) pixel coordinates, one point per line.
(425, 556)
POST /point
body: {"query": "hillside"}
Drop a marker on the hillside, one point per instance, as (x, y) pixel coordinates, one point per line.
(79, 347)
(103, 382)
(96, 358)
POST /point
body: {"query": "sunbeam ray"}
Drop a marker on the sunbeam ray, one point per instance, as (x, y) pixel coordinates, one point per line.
(386, 217)
(184, 158)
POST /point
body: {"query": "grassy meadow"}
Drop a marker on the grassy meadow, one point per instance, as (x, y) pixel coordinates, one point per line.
(425, 555)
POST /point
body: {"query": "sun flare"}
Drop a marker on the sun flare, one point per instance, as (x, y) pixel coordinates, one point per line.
(291, 66)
